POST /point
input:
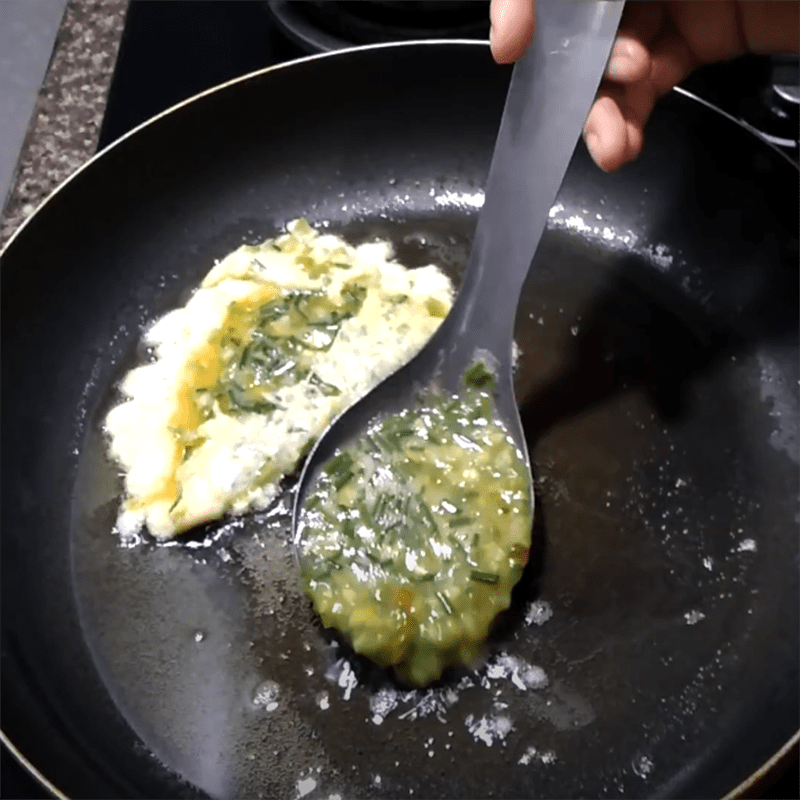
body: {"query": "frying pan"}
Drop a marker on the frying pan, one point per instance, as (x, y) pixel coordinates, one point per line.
(652, 646)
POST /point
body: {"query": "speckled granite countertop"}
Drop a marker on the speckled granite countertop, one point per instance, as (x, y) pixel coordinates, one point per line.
(66, 122)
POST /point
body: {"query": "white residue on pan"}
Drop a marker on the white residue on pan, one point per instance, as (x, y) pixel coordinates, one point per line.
(323, 701)
(746, 546)
(660, 256)
(534, 754)
(306, 786)
(600, 229)
(266, 695)
(427, 703)
(460, 199)
(347, 681)
(382, 703)
(538, 612)
(502, 672)
(489, 729)
(523, 675)
(560, 217)
(783, 399)
(693, 617)
(642, 766)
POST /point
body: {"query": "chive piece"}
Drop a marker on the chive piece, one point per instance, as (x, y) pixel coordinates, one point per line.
(457, 543)
(188, 449)
(479, 375)
(379, 508)
(363, 512)
(401, 434)
(313, 503)
(451, 408)
(459, 522)
(245, 358)
(177, 500)
(349, 528)
(427, 514)
(445, 603)
(385, 443)
(327, 389)
(241, 400)
(339, 463)
(490, 578)
(331, 518)
(275, 247)
(341, 265)
(341, 480)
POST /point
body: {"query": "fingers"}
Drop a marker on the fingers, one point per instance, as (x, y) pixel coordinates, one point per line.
(614, 130)
(671, 60)
(606, 134)
(512, 28)
(629, 62)
(769, 27)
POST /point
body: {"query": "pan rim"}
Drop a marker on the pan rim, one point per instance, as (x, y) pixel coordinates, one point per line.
(32, 770)
(472, 43)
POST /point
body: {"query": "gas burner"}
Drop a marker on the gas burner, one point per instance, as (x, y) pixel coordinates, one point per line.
(319, 27)
(763, 92)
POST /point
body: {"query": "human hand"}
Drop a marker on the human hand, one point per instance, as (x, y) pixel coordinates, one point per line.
(659, 43)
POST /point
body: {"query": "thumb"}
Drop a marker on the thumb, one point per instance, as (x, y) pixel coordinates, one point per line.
(512, 28)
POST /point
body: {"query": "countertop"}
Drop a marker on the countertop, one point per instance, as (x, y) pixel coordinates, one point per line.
(65, 124)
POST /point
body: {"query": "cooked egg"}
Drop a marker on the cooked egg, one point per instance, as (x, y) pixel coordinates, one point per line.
(278, 340)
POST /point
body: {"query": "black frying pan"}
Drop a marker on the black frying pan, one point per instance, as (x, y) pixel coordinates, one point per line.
(658, 382)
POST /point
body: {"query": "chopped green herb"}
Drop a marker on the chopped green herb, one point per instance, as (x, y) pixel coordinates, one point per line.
(328, 389)
(427, 515)
(177, 500)
(243, 401)
(339, 463)
(479, 375)
(380, 507)
(342, 479)
(314, 502)
(445, 603)
(490, 578)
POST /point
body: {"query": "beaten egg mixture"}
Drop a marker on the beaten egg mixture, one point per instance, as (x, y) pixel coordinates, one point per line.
(278, 340)
(415, 536)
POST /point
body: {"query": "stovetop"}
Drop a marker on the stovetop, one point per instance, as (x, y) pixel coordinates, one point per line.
(170, 51)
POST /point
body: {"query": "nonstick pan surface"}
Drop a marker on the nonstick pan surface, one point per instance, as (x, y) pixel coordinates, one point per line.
(652, 649)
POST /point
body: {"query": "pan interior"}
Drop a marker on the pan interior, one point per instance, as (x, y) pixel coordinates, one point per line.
(639, 556)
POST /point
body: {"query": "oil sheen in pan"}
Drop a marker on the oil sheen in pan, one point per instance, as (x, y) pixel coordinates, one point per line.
(214, 656)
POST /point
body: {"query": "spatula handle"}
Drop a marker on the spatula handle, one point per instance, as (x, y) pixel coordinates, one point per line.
(551, 91)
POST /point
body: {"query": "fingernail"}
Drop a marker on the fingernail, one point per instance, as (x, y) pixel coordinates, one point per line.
(592, 143)
(491, 42)
(592, 140)
(617, 67)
